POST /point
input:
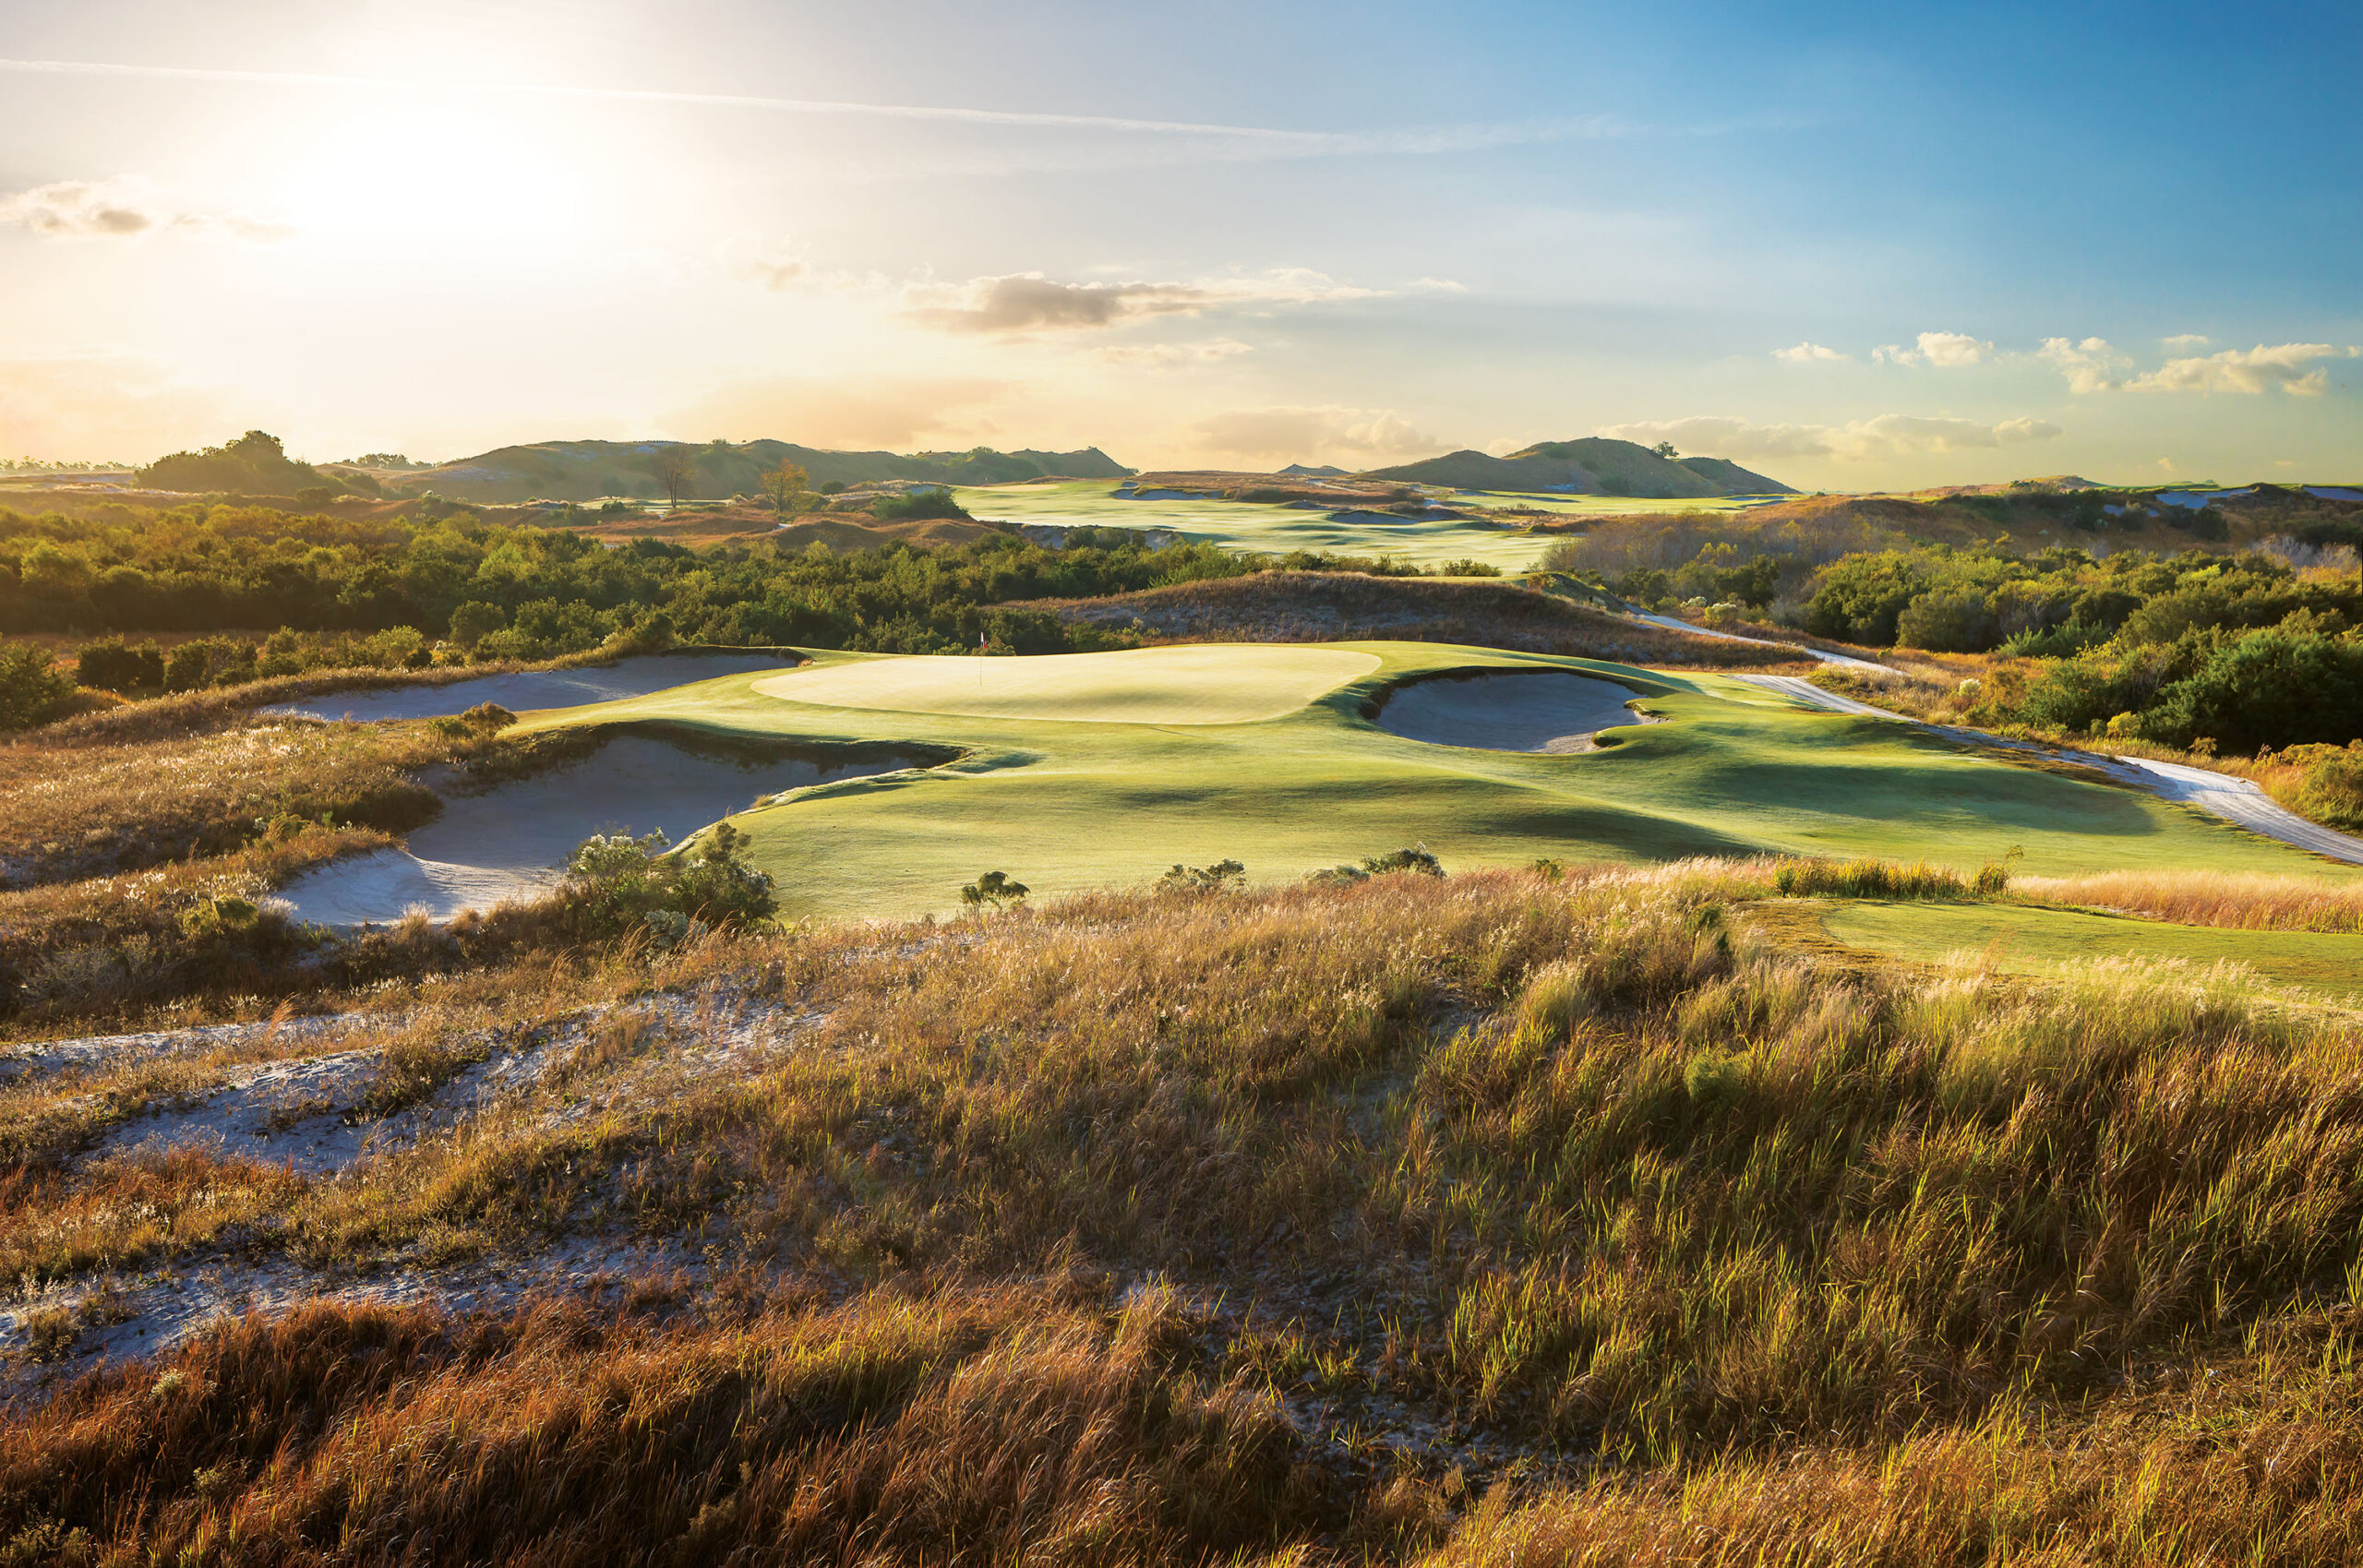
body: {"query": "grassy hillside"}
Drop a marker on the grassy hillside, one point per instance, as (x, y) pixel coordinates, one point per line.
(1509, 1219)
(580, 470)
(1595, 465)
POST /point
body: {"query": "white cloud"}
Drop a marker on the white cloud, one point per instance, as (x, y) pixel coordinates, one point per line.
(1314, 432)
(2247, 371)
(121, 209)
(2187, 340)
(2092, 366)
(1211, 351)
(1807, 354)
(1438, 286)
(1029, 301)
(1863, 440)
(775, 267)
(1944, 350)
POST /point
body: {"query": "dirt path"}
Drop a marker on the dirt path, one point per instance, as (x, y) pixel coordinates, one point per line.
(2236, 800)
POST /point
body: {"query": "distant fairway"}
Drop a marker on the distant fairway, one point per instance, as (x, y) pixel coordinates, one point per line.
(2046, 941)
(1268, 529)
(1196, 684)
(1262, 754)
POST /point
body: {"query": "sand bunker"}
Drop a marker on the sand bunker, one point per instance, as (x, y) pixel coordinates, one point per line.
(530, 689)
(1204, 684)
(1527, 710)
(513, 841)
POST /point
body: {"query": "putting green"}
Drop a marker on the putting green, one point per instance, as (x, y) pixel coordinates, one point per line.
(2039, 941)
(1065, 805)
(1218, 683)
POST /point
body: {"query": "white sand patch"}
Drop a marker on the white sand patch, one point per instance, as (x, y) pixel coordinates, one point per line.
(1524, 710)
(1223, 683)
(513, 841)
(531, 688)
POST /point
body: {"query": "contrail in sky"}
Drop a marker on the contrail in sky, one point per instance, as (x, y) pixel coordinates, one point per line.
(1430, 139)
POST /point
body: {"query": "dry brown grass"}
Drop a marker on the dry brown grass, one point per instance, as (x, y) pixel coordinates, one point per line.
(2240, 900)
(989, 1426)
(1299, 606)
(1566, 1169)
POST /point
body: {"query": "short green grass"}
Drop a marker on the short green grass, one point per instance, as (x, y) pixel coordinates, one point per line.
(1269, 529)
(1065, 805)
(1206, 683)
(2041, 942)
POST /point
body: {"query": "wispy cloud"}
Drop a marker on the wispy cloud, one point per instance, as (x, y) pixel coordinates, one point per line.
(2094, 366)
(122, 209)
(1212, 351)
(1945, 351)
(1887, 435)
(1034, 302)
(2187, 340)
(1809, 353)
(1326, 431)
(1213, 140)
(2248, 371)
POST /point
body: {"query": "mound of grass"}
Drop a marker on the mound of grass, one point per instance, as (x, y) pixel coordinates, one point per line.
(1218, 684)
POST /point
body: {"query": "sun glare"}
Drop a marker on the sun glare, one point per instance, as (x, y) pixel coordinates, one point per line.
(428, 174)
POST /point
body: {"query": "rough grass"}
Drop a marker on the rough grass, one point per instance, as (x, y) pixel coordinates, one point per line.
(2249, 902)
(1140, 1229)
(1302, 607)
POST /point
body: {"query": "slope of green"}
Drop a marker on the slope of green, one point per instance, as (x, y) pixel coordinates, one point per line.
(1065, 805)
(2046, 941)
(1217, 683)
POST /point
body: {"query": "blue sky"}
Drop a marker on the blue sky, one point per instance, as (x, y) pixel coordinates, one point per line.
(1854, 246)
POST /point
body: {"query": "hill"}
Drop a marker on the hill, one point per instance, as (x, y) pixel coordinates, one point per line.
(1596, 465)
(580, 471)
(254, 464)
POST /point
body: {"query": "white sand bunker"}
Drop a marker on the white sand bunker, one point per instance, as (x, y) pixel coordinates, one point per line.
(530, 689)
(1527, 710)
(1225, 683)
(513, 841)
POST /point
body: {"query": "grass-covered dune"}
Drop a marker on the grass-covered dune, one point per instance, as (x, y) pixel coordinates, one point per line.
(1502, 1219)
(1071, 796)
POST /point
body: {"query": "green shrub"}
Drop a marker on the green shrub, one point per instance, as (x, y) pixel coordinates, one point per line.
(111, 665)
(1220, 876)
(916, 504)
(994, 889)
(1415, 859)
(1867, 878)
(33, 690)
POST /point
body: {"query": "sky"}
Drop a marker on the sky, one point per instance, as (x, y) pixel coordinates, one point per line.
(1853, 247)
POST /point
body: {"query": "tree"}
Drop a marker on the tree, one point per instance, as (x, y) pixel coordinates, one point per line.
(672, 464)
(787, 487)
(1665, 449)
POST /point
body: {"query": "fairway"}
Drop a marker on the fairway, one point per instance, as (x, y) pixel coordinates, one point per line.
(2046, 941)
(1198, 684)
(1201, 764)
(1267, 528)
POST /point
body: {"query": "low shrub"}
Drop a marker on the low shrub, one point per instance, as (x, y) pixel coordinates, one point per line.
(1217, 877)
(1874, 879)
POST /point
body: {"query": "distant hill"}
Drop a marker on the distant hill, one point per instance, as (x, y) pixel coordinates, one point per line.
(1596, 465)
(580, 470)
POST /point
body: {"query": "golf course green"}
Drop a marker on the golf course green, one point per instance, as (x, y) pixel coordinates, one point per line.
(1095, 771)
(2040, 941)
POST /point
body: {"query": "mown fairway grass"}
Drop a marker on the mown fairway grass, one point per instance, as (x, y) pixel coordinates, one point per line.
(1201, 684)
(2047, 941)
(1276, 529)
(1265, 529)
(1065, 805)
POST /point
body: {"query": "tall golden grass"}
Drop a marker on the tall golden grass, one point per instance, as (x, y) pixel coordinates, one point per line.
(1572, 1175)
(2240, 900)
